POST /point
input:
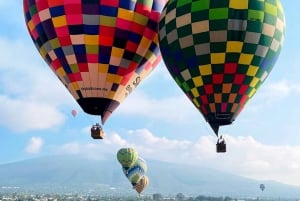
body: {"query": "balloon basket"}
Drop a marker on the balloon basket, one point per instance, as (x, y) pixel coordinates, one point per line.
(221, 148)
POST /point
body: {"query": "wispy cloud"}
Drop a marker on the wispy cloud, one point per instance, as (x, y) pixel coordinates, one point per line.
(245, 155)
(277, 91)
(29, 93)
(34, 145)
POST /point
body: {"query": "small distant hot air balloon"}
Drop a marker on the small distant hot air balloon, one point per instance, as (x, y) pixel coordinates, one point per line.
(100, 50)
(220, 52)
(74, 113)
(262, 187)
(142, 184)
(127, 157)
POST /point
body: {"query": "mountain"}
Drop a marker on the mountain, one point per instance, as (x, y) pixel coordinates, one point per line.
(73, 174)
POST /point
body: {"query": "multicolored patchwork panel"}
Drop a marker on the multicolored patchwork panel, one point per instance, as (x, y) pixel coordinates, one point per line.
(99, 49)
(220, 51)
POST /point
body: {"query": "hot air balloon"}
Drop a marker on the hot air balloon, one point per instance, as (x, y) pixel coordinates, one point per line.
(100, 50)
(220, 52)
(134, 174)
(74, 113)
(127, 157)
(262, 187)
(142, 184)
(136, 171)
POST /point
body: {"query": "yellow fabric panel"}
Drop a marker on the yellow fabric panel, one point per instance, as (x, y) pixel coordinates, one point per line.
(75, 86)
(113, 78)
(145, 42)
(238, 4)
(245, 59)
(252, 92)
(205, 69)
(217, 58)
(111, 95)
(30, 25)
(195, 92)
(117, 52)
(61, 72)
(196, 103)
(125, 14)
(234, 46)
(103, 68)
(91, 39)
(254, 82)
(198, 81)
(271, 9)
(59, 21)
(252, 70)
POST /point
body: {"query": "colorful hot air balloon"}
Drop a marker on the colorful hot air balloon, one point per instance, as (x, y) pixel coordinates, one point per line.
(142, 184)
(136, 171)
(134, 174)
(100, 50)
(220, 52)
(127, 157)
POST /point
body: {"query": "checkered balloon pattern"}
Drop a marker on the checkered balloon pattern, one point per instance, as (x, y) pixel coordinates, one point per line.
(219, 52)
(99, 49)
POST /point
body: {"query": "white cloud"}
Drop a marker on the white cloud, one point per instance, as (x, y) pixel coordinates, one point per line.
(34, 145)
(30, 94)
(23, 115)
(245, 156)
(277, 91)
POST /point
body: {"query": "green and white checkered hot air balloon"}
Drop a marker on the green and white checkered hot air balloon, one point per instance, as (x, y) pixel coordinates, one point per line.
(219, 52)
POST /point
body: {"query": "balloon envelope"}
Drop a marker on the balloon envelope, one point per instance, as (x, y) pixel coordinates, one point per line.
(100, 50)
(74, 113)
(142, 184)
(220, 52)
(127, 157)
(134, 174)
(262, 187)
(140, 163)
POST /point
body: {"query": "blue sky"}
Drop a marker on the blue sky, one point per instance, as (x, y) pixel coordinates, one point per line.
(156, 119)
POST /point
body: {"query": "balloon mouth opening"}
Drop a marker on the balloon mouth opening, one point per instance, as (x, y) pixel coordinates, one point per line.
(98, 106)
(216, 120)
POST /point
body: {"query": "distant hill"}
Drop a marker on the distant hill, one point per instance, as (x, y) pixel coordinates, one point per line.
(73, 174)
